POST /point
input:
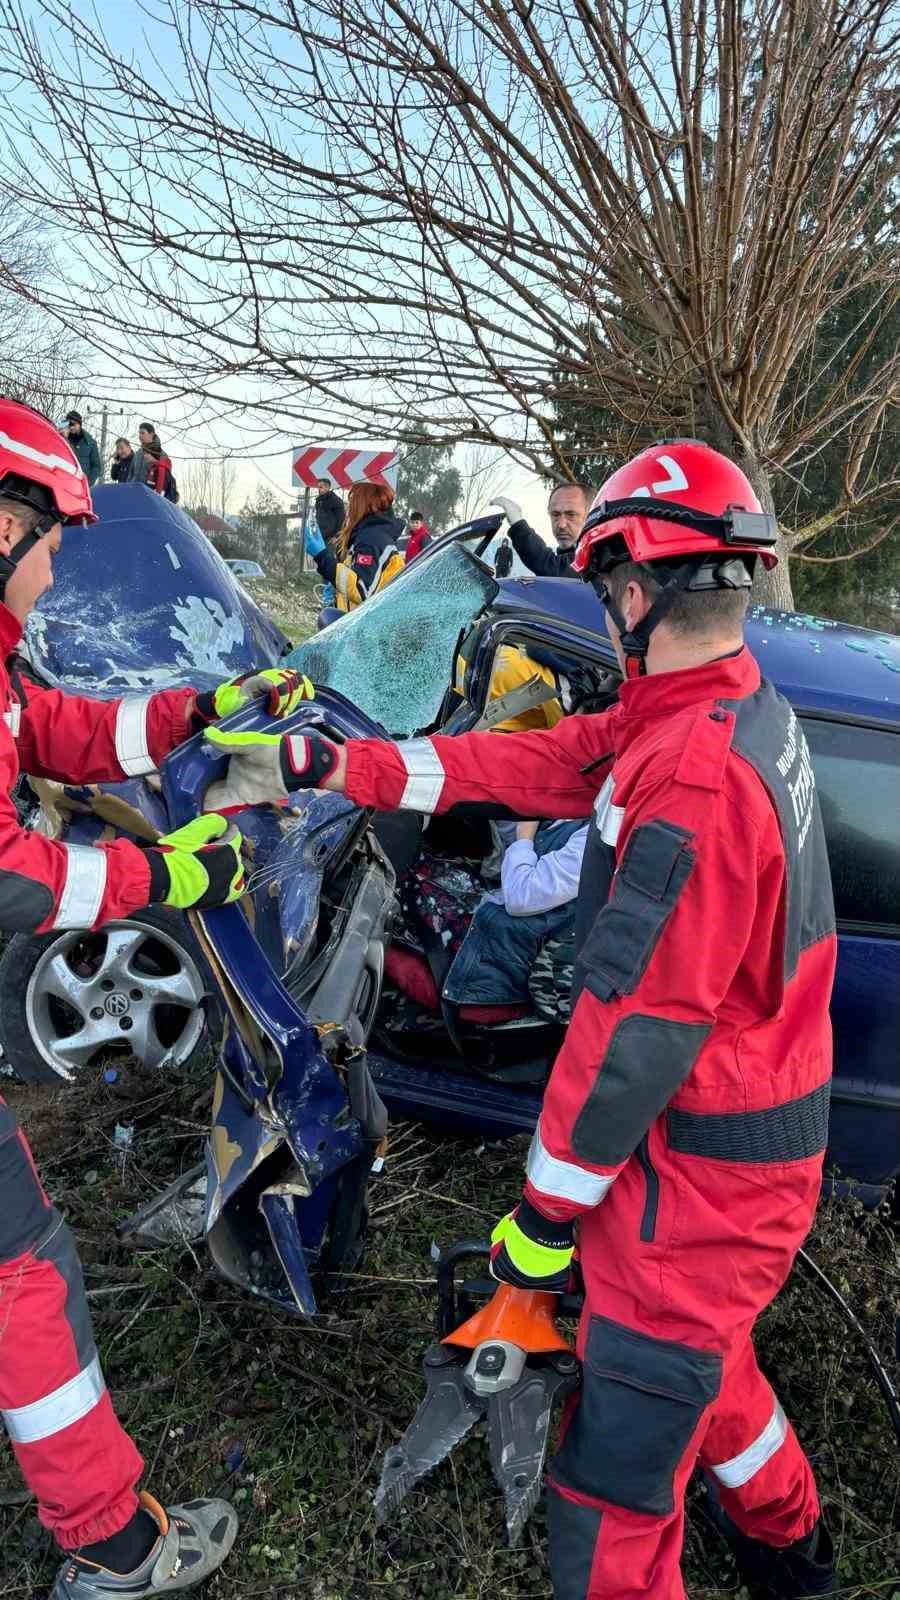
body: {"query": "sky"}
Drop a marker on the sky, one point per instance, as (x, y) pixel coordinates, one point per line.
(271, 468)
(260, 456)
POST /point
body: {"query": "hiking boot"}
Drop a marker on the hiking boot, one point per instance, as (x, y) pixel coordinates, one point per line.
(193, 1540)
(797, 1571)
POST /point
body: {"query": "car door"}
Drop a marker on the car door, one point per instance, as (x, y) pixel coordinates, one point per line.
(857, 766)
(529, 628)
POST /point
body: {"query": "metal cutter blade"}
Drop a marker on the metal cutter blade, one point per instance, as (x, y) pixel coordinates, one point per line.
(507, 1362)
(518, 1434)
(446, 1414)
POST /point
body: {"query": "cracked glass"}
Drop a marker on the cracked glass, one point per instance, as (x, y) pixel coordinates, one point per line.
(393, 655)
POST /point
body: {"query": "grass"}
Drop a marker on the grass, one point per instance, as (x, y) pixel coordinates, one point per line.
(291, 602)
(290, 1420)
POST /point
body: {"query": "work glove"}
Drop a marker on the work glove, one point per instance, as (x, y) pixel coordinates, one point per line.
(315, 544)
(532, 1252)
(197, 865)
(278, 689)
(511, 508)
(267, 767)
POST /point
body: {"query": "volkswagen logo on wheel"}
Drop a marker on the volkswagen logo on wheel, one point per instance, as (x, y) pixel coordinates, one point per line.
(116, 1004)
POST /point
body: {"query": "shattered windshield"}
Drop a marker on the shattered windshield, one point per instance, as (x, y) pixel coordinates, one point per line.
(392, 656)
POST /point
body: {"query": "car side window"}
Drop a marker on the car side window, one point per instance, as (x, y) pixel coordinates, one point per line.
(858, 778)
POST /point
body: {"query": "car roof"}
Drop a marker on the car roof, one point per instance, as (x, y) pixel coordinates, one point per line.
(818, 664)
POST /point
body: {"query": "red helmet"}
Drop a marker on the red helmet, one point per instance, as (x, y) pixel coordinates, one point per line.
(675, 501)
(39, 467)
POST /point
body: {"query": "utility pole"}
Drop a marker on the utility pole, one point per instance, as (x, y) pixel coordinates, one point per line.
(306, 564)
(104, 425)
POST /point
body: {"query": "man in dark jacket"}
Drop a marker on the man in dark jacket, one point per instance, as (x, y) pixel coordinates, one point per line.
(84, 445)
(567, 509)
(329, 511)
(503, 560)
(122, 467)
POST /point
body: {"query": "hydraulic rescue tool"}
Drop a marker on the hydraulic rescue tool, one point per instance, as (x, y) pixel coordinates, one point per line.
(507, 1364)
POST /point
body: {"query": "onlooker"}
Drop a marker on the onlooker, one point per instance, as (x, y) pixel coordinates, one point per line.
(154, 463)
(146, 433)
(503, 559)
(567, 508)
(364, 558)
(419, 536)
(122, 462)
(84, 445)
(329, 511)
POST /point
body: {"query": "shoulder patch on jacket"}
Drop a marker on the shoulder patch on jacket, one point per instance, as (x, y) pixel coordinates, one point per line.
(706, 749)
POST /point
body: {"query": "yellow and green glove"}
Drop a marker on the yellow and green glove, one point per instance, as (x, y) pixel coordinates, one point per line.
(531, 1251)
(267, 767)
(197, 865)
(280, 691)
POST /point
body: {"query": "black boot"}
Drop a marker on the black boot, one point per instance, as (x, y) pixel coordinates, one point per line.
(795, 1571)
(792, 1572)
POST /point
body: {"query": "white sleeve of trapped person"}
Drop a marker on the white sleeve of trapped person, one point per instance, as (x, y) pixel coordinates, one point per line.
(530, 883)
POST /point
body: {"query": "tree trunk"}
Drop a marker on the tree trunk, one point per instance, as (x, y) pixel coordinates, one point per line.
(770, 588)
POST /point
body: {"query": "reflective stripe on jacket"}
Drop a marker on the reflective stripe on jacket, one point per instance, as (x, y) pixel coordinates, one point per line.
(45, 884)
(706, 947)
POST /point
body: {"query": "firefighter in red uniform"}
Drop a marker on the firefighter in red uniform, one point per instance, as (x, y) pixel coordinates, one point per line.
(74, 1455)
(683, 1128)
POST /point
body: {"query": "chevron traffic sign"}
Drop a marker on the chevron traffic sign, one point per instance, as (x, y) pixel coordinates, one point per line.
(344, 465)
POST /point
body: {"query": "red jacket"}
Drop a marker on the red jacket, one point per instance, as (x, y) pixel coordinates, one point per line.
(45, 884)
(705, 945)
(158, 468)
(419, 539)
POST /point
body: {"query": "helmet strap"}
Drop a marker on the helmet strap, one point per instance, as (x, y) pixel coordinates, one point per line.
(18, 552)
(635, 641)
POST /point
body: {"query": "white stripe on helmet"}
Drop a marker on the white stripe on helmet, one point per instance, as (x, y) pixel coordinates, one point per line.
(28, 453)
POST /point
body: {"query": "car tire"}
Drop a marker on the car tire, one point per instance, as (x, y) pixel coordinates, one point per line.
(138, 986)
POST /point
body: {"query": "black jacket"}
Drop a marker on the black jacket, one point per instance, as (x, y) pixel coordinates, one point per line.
(537, 556)
(329, 514)
(121, 471)
(503, 560)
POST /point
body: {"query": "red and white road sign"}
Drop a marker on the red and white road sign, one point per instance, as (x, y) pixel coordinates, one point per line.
(344, 465)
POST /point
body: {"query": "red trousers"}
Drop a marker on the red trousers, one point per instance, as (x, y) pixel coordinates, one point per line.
(601, 1549)
(74, 1454)
(669, 1377)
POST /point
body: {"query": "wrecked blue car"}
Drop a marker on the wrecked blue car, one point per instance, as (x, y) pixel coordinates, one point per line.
(313, 1043)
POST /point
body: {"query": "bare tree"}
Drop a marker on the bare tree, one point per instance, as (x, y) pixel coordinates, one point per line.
(225, 484)
(338, 210)
(38, 356)
(207, 483)
(196, 485)
(485, 471)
